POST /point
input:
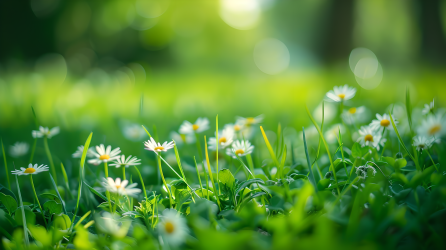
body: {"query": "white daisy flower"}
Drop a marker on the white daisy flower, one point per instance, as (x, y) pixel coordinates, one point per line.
(381, 122)
(19, 149)
(422, 143)
(173, 227)
(152, 145)
(433, 125)
(80, 151)
(199, 126)
(182, 138)
(370, 137)
(133, 132)
(249, 121)
(225, 139)
(120, 188)
(112, 224)
(341, 93)
(123, 162)
(237, 127)
(240, 148)
(103, 154)
(355, 115)
(45, 131)
(333, 132)
(31, 169)
(428, 108)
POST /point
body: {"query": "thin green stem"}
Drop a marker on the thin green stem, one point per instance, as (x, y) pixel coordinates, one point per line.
(142, 182)
(216, 157)
(33, 150)
(164, 180)
(50, 158)
(35, 194)
(250, 163)
(123, 172)
(433, 163)
(198, 174)
(6, 165)
(107, 192)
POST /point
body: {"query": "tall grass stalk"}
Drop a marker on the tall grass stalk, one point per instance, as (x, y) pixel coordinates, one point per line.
(33, 150)
(326, 148)
(142, 182)
(216, 152)
(271, 152)
(65, 176)
(310, 167)
(81, 176)
(6, 165)
(210, 173)
(25, 227)
(50, 158)
(37, 198)
(199, 179)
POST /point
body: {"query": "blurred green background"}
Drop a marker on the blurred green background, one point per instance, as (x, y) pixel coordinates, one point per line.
(92, 65)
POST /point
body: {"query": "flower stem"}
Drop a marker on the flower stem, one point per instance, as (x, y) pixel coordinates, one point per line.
(107, 192)
(35, 194)
(435, 165)
(142, 182)
(50, 159)
(6, 165)
(164, 180)
(123, 172)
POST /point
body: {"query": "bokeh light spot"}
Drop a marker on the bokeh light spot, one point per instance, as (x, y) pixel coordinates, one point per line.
(271, 56)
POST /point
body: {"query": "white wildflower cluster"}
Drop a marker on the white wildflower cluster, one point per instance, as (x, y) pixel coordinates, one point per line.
(430, 130)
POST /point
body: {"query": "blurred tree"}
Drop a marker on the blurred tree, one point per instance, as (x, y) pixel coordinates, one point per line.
(337, 35)
(433, 43)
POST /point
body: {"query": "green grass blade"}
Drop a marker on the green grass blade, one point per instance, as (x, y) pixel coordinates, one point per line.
(146, 131)
(409, 110)
(35, 117)
(58, 194)
(33, 150)
(50, 158)
(25, 228)
(311, 175)
(402, 143)
(65, 177)
(210, 173)
(6, 165)
(244, 165)
(82, 218)
(271, 151)
(199, 179)
(142, 182)
(326, 147)
(216, 158)
(81, 175)
(177, 156)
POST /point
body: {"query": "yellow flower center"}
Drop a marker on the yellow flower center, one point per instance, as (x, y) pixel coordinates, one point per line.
(30, 170)
(117, 186)
(168, 226)
(222, 140)
(421, 146)
(352, 110)
(159, 148)
(368, 137)
(195, 127)
(104, 157)
(237, 127)
(385, 122)
(434, 129)
(239, 151)
(250, 120)
(342, 96)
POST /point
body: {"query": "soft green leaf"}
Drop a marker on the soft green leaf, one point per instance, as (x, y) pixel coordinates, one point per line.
(9, 202)
(400, 163)
(356, 150)
(29, 215)
(53, 207)
(226, 178)
(50, 197)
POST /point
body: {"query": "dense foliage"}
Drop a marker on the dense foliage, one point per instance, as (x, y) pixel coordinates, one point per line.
(356, 185)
